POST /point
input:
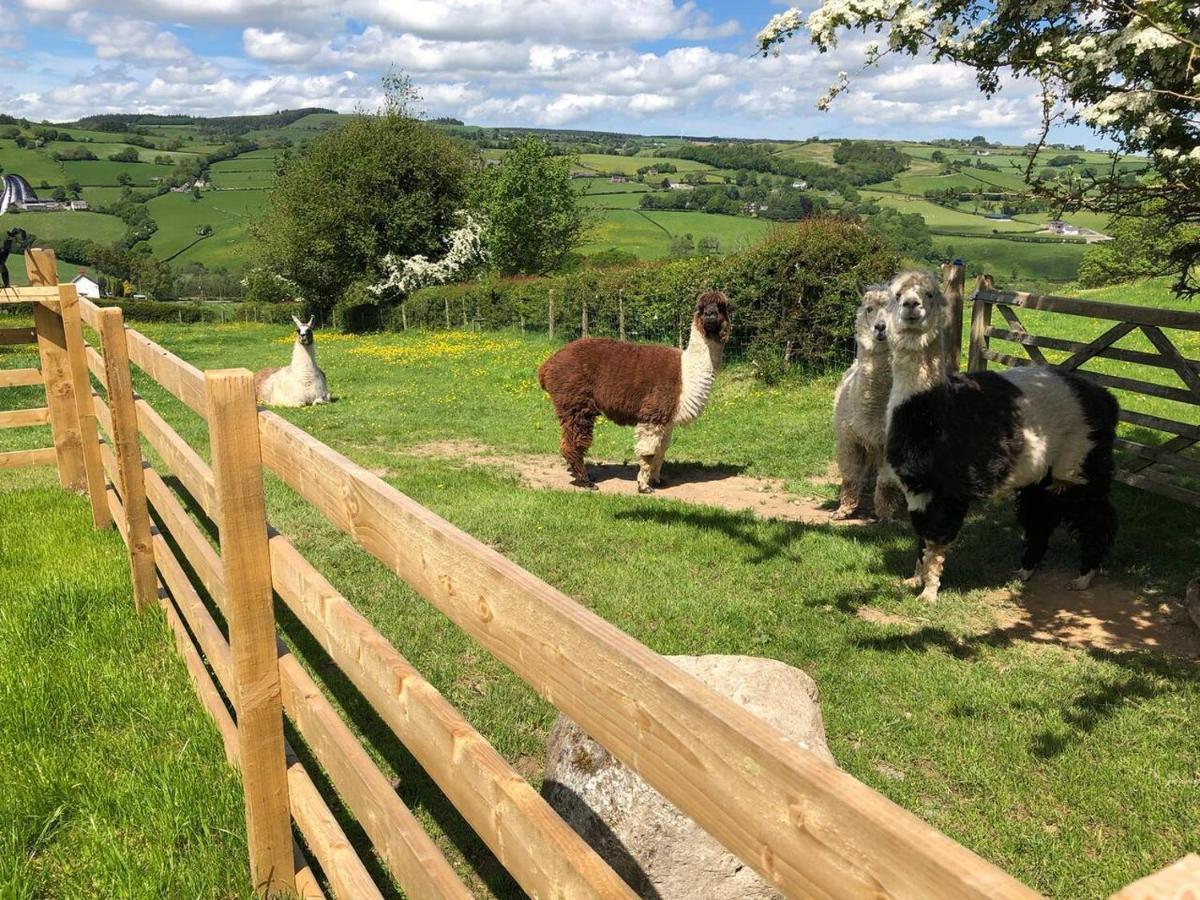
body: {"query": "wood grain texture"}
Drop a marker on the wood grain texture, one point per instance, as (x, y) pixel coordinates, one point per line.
(246, 573)
(1096, 309)
(81, 385)
(16, 459)
(180, 378)
(1118, 353)
(46, 293)
(808, 827)
(183, 462)
(128, 449)
(953, 286)
(1178, 881)
(981, 318)
(21, 418)
(532, 842)
(11, 336)
(20, 377)
(60, 392)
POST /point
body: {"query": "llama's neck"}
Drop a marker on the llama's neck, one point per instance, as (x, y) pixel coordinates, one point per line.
(917, 366)
(304, 359)
(700, 363)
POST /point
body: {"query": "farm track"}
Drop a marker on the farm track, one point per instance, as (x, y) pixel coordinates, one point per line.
(1110, 617)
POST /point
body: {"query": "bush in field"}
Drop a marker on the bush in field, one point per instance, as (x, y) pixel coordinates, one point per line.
(794, 295)
(378, 185)
(532, 213)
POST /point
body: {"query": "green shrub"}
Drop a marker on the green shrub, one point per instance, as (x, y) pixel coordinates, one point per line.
(190, 312)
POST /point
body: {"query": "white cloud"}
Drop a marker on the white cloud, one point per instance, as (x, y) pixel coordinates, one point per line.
(132, 39)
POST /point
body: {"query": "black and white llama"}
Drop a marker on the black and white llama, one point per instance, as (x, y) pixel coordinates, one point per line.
(953, 439)
(300, 384)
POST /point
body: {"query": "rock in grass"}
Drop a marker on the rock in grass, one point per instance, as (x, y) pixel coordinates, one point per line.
(657, 849)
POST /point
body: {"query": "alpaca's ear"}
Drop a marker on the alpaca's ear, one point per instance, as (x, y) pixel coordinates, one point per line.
(299, 324)
(311, 319)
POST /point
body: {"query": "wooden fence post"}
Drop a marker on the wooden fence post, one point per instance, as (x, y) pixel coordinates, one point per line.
(242, 522)
(550, 313)
(68, 308)
(56, 375)
(981, 318)
(583, 322)
(954, 277)
(404, 316)
(119, 384)
(621, 314)
(446, 301)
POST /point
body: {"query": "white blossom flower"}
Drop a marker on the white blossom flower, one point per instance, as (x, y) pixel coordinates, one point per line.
(465, 247)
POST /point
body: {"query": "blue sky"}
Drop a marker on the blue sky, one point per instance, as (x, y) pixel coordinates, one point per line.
(650, 66)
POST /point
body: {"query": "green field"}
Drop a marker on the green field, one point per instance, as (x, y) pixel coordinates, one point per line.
(937, 216)
(1014, 263)
(628, 165)
(104, 172)
(53, 225)
(228, 212)
(1074, 769)
(648, 234)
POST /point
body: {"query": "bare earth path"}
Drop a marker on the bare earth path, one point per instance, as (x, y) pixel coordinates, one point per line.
(1110, 616)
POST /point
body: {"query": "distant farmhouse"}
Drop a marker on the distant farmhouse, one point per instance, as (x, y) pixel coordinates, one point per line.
(1058, 226)
(85, 285)
(20, 196)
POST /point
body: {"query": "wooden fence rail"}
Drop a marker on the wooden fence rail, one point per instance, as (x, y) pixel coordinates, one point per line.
(808, 827)
(1163, 468)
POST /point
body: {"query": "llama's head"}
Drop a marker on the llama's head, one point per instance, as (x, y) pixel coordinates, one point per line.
(712, 315)
(304, 331)
(916, 310)
(871, 323)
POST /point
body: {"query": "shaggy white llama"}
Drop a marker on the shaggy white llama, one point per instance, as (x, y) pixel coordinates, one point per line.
(302, 383)
(860, 414)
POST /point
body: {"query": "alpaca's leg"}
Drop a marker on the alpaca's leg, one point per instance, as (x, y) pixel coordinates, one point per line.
(647, 439)
(1037, 511)
(1095, 521)
(918, 576)
(660, 456)
(576, 438)
(889, 498)
(931, 579)
(852, 464)
(938, 523)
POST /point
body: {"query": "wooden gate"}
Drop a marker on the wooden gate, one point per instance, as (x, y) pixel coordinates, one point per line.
(1157, 384)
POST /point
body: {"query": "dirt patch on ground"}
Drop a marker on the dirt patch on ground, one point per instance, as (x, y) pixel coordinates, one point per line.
(708, 485)
(1109, 616)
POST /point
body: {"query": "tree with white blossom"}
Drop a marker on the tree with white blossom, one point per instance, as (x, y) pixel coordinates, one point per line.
(1130, 69)
(464, 251)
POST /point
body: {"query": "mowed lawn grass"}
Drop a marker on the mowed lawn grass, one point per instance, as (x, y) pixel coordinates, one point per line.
(112, 779)
(1074, 770)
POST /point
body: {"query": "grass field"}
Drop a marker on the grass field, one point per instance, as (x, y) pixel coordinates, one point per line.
(648, 234)
(53, 225)
(1073, 769)
(228, 212)
(103, 172)
(1014, 263)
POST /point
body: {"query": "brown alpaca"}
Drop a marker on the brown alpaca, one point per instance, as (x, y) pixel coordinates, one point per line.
(650, 387)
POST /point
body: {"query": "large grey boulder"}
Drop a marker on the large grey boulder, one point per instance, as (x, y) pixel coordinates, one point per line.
(657, 849)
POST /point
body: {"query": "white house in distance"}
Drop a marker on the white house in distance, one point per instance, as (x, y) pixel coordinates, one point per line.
(86, 286)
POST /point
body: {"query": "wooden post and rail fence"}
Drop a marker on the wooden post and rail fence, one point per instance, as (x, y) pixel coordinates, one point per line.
(809, 828)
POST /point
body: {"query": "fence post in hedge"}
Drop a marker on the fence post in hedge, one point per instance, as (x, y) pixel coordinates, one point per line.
(522, 323)
(404, 316)
(249, 609)
(550, 313)
(464, 303)
(621, 314)
(447, 303)
(981, 318)
(583, 323)
(953, 287)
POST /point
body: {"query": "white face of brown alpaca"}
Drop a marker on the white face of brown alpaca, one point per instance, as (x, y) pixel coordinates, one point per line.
(871, 323)
(916, 311)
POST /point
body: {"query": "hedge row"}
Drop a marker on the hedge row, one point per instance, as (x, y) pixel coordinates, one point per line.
(794, 296)
(190, 312)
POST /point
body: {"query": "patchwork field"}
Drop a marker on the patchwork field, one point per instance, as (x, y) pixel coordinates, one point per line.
(228, 212)
(1070, 764)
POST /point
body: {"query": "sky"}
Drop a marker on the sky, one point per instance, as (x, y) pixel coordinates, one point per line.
(644, 66)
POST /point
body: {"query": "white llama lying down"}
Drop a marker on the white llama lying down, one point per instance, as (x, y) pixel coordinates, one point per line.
(300, 384)
(860, 415)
